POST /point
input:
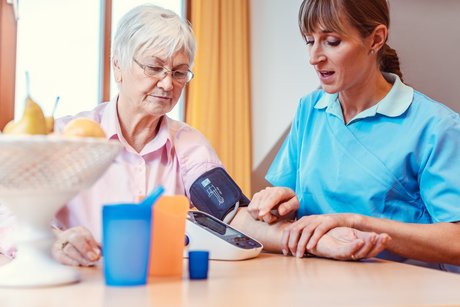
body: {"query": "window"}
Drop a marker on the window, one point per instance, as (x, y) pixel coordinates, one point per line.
(58, 44)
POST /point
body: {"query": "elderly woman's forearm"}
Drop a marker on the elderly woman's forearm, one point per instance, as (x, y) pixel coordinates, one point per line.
(267, 234)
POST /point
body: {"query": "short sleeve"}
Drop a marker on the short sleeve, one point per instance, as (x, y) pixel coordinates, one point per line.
(440, 175)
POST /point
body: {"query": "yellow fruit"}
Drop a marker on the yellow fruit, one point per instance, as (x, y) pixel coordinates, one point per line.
(49, 124)
(83, 127)
(31, 122)
(8, 125)
(50, 119)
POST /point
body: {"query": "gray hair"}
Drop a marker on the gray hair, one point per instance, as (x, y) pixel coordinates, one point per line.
(154, 30)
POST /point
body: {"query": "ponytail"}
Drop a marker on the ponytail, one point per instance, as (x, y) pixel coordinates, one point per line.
(389, 61)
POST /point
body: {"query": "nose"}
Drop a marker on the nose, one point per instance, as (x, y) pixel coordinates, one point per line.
(316, 55)
(166, 83)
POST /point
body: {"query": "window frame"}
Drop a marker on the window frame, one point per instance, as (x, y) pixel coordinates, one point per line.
(8, 38)
(106, 28)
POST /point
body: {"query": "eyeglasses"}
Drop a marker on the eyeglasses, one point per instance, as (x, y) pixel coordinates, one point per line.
(182, 76)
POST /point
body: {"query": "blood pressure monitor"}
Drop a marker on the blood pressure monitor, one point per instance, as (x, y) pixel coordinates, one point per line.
(205, 232)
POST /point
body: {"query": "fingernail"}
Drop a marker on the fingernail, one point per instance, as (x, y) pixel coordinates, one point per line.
(285, 252)
(91, 255)
(299, 255)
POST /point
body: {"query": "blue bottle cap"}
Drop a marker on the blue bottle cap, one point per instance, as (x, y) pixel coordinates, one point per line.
(198, 264)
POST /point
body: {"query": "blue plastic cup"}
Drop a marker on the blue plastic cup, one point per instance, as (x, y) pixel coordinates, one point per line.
(126, 244)
(198, 264)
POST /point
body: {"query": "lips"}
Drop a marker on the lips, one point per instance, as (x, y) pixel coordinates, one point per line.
(160, 97)
(326, 76)
(326, 73)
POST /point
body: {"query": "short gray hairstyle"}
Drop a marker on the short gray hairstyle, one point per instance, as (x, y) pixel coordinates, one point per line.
(153, 29)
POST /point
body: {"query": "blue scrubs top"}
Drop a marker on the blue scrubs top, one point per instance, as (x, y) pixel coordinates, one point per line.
(399, 159)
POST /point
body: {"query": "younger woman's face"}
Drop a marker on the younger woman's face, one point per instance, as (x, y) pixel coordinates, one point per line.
(341, 61)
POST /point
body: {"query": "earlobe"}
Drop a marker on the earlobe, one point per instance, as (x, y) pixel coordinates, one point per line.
(117, 77)
(116, 70)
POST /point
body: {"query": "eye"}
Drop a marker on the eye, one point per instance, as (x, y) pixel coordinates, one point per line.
(154, 69)
(333, 41)
(180, 74)
(309, 41)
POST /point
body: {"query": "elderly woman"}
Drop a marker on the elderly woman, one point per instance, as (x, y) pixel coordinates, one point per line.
(153, 51)
(366, 151)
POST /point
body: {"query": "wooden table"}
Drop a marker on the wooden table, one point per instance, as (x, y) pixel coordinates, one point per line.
(268, 280)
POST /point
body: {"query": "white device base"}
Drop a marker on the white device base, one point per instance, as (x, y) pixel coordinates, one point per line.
(33, 265)
(201, 238)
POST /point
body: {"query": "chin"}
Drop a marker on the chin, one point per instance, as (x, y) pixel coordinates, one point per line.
(329, 89)
(158, 109)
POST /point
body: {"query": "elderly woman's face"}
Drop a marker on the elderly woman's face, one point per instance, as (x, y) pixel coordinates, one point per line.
(153, 93)
(341, 61)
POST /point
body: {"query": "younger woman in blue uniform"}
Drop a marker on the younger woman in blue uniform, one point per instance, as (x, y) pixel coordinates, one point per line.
(365, 151)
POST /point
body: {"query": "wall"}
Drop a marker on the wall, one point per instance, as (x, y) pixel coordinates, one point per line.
(280, 73)
(425, 34)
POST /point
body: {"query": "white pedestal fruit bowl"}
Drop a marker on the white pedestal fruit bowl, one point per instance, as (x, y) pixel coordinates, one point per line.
(38, 175)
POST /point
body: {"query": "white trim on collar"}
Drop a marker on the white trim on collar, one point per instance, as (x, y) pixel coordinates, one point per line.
(395, 103)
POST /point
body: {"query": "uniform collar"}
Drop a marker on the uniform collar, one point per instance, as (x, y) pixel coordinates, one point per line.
(395, 103)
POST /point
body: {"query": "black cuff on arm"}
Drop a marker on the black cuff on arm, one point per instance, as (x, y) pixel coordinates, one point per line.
(216, 193)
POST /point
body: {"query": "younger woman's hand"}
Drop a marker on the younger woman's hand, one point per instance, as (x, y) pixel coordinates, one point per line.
(273, 203)
(308, 230)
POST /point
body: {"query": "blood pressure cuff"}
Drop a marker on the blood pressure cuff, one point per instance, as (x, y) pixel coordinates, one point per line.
(216, 193)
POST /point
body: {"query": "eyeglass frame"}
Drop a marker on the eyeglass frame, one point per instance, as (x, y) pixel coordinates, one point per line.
(164, 72)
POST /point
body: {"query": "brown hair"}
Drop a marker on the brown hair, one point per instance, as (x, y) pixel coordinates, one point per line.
(364, 15)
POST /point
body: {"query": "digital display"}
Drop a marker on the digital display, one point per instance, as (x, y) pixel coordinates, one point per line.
(222, 230)
(210, 223)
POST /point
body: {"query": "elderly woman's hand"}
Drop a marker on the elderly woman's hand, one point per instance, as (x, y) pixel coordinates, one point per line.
(344, 243)
(305, 233)
(337, 230)
(272, 203)
(76, 246)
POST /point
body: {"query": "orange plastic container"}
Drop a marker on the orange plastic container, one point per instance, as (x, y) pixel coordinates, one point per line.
(168, 236)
